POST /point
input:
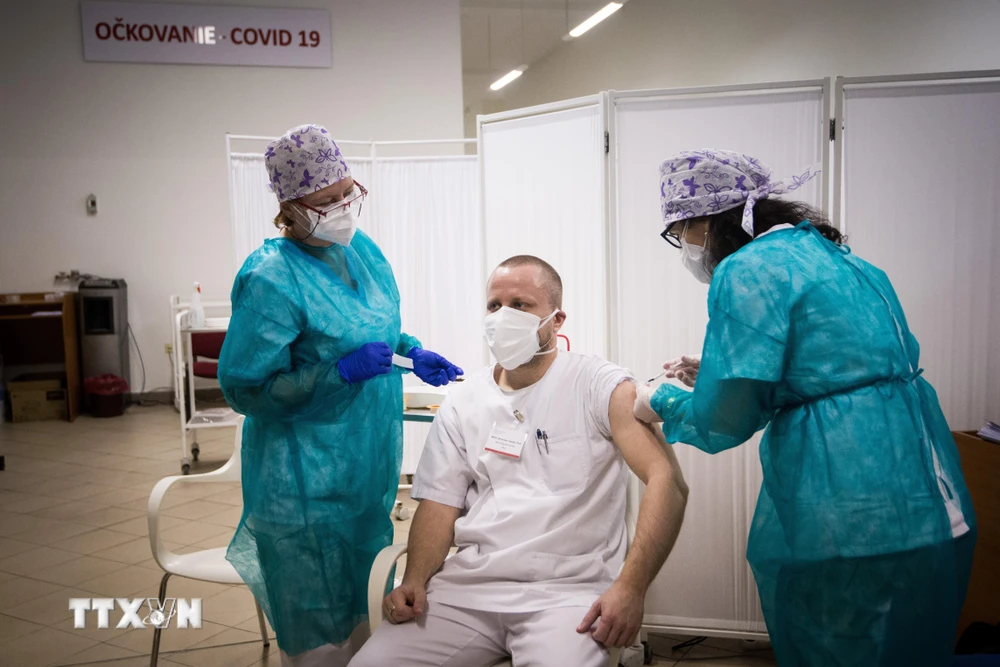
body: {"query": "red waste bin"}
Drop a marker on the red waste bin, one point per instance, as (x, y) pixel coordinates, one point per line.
(106, 395)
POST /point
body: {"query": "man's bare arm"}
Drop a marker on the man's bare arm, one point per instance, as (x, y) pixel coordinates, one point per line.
(661, 513)
(431, 536)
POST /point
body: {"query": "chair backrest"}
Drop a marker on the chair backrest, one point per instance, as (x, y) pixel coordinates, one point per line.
(207, 345)
(229, 472)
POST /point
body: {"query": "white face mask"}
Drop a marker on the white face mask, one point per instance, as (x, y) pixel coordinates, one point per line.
(513, 336)
(336, 224)
(695, 259)
(337, 227)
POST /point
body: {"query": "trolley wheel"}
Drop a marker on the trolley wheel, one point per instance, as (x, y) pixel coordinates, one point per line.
(647, 654)
(185, 468)
(195, 452)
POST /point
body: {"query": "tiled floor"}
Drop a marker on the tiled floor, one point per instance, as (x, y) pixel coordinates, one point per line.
(73, 524)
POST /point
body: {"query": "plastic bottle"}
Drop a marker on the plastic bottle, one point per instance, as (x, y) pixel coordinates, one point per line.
(197, 313)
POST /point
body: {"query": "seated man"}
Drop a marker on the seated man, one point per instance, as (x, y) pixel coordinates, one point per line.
(524, 470)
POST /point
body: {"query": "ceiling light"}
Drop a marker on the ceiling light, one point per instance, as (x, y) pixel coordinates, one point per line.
(602, 14)
(507, 78)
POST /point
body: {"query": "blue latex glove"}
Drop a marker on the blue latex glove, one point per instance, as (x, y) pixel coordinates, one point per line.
(368, 361)
(432, 368)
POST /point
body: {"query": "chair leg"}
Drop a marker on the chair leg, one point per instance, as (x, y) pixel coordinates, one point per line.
(263, 625)
(155, 653)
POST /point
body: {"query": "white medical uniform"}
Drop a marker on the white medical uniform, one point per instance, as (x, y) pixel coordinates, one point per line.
(540, 533)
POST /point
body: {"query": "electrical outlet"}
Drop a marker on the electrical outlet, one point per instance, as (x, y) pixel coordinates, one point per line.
(168, 348)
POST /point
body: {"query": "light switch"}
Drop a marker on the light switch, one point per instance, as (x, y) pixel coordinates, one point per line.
(92, 205)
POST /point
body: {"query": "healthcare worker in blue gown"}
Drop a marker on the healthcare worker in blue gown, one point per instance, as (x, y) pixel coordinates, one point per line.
(308, 359)
(862, 540)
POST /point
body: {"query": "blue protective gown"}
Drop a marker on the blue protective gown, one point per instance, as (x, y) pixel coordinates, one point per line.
(321, 458)
(862, 539)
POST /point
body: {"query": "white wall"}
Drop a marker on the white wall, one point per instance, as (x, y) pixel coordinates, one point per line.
(148, 140)
(676, 43)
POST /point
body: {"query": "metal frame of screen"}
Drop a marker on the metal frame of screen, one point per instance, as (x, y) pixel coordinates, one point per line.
(885, 81)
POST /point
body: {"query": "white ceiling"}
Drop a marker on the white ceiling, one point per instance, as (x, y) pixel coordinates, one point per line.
(500, 35)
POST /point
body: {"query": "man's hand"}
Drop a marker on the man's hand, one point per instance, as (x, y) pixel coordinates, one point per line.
(404, 603)
(431, 535)
(620, 610)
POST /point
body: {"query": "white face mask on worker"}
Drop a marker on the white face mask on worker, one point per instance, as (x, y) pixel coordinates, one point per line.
(695, 260)
(335, 224)
(513, 336)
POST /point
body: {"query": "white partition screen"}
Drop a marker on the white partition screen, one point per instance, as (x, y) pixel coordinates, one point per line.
(543, 185)
(921, 167)
(660, 312)
(427, 226)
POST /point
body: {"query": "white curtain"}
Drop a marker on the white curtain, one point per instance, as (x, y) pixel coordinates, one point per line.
(921, 169)
(543, 181)
(361, 169)
(662, 314)
(426, 220)
(254, 205)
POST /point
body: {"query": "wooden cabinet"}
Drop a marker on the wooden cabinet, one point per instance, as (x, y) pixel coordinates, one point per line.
(39, 329)
(981, 467)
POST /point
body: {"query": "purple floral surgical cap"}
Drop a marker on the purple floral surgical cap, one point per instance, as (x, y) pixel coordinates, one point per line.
(705, 182)
(304, 160)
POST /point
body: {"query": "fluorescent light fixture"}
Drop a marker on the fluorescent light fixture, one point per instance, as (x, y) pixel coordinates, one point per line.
(602, 14)
(507, 78)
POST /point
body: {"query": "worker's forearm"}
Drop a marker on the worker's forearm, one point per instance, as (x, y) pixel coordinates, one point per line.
(431, 536)
(661, 514)
(301, 393)
(716, 416)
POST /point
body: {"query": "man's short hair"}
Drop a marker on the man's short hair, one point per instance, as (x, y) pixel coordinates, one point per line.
(553, 283)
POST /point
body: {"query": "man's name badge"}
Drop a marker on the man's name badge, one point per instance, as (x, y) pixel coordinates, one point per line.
(506, 443)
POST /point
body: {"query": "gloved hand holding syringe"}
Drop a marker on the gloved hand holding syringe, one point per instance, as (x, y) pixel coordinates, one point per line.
(683, 368)
(429, 367)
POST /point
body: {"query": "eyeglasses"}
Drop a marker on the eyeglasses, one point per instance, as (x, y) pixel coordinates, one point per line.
(356, 196)
(671, 236)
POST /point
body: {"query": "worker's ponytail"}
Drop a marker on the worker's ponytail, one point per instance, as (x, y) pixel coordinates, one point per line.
(726, 234)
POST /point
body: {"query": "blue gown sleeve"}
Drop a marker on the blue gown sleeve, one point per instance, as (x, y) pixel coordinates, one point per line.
(742, 361)
(407, 343)
(719, 417)
(255, 366)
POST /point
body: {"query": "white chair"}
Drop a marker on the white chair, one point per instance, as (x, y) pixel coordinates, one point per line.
(378, 580)
(207, 565)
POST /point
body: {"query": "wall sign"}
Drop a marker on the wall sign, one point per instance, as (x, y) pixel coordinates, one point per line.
(205, 35)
